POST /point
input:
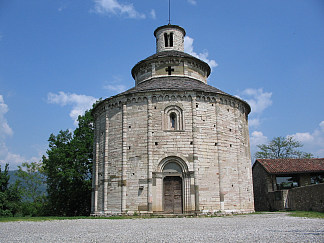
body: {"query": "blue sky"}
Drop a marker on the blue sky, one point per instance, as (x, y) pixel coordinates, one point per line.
(58, 56)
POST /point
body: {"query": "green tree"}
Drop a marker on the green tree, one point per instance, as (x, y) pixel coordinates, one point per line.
(31, 181)
(68, 169)
(9, 195)
(281, 148)
(32, 177)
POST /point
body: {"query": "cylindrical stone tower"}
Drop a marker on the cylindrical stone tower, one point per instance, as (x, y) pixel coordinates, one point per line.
(172, 144)
(169, 37)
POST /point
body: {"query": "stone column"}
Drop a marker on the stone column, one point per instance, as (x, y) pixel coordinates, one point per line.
(194, 151)
(157, 205)
(153, 69)
(149, 153)
(220, 173)
(186, 193)
(95, 169)
(105, 169)
(247, 162)
(124, 160)
(239, 158)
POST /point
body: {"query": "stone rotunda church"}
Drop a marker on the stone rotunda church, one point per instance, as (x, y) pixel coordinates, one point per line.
(172, 144)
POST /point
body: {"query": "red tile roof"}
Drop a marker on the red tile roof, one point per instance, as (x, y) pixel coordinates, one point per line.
(290, 166)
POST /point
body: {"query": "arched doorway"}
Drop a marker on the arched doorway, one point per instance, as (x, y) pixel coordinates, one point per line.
(172, 188)
(172, 184)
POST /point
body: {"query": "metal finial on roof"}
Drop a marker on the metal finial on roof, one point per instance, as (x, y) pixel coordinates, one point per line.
(169, 12)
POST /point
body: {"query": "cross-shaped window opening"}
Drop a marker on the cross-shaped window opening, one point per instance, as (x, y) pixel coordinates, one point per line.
(169, 69)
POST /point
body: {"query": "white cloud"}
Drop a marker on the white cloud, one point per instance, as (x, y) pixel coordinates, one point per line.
(5, 129)
(7, 157)
(322, 125)
(60, 9)
(313, 141)
(115, 8)
(153, 14)
(259, 101)
(304, 137)
(193, 2)
(188, 47)
(256, 138)
(79, 103)
(115, 86)
(116, 89)
(254, 122)
(14, 160)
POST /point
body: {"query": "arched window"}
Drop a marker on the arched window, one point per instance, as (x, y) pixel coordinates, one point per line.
(173, 121)
(171, 39)
(168, 40)
(173, 118)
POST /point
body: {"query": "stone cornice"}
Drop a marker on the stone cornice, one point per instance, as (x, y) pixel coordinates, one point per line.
(170, 26)
(221, 98)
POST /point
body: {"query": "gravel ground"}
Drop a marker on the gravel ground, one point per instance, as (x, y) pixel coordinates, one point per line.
(272, 227)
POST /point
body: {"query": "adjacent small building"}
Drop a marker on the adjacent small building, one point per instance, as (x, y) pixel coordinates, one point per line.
(296, 184)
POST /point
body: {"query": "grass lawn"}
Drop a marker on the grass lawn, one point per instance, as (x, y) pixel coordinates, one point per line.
(12, 219)
(307, 214)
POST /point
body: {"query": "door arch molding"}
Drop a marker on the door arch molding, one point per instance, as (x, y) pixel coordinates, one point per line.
(173, 166)
(173, 159)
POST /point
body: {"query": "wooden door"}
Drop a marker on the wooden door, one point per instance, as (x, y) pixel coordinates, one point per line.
(172, 187)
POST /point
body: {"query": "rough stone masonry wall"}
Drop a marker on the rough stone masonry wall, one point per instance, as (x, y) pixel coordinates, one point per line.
(107, 176)
(214, 143)
(232, 153)
(218, 135)
(310, 197)
(261, 187)
(276, 200)
(307, 198)
(178, 41)
(207, 154)
(136, 160)
(166, 142)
